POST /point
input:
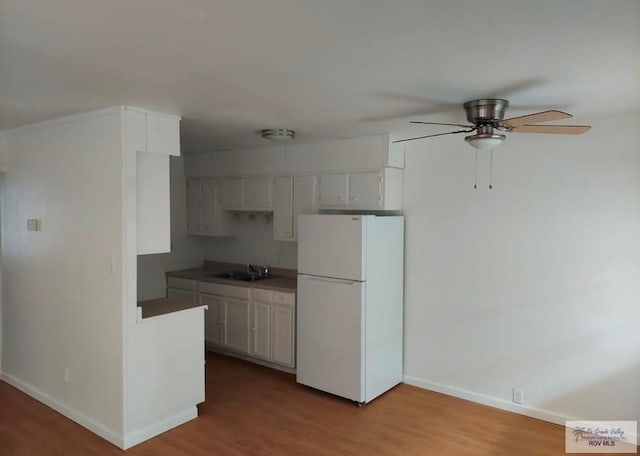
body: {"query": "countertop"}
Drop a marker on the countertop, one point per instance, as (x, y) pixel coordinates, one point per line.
(204, 274)
(161, 306)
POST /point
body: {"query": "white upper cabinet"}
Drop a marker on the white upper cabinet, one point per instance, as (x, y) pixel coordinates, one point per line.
(194, 206)
(257, 193)
(163, 135)
(204, 213)
(152, 137)
(334, 190)
(304, 199)
(153, 206)
(283, 208)
(365, 190)
(209, 206)
(152, 132)
(375, 190)
(292, 196)
(232, 193)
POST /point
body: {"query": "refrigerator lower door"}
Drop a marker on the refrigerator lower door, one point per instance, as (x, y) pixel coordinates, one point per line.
(330, 335)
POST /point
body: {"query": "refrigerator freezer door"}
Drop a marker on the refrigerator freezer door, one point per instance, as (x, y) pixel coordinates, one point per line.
(332, 246)
(331, 336)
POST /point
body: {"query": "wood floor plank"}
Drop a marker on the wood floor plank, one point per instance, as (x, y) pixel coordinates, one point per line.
(254, 410)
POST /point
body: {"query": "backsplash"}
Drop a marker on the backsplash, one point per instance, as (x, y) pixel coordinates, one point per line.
(253, 244)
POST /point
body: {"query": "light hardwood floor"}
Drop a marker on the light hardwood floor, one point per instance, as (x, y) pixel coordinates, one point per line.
(253, 410)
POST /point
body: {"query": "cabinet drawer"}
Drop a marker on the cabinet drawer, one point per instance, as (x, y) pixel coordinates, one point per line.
(184, 284)
(282, 298)
(225, 290)
(262, 295)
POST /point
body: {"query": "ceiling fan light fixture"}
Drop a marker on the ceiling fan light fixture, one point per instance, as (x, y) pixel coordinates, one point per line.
(278, 134)
(484, 141)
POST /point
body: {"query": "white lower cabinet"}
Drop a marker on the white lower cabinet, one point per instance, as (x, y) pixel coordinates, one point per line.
(182, 289)
(261, 329)
(214, 318)
(236, 324)
(253, 321)
(283, 334)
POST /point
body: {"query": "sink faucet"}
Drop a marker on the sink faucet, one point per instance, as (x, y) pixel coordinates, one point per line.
(262, 272)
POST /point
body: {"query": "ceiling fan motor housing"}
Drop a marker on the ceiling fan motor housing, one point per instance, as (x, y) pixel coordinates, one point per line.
(486, 111)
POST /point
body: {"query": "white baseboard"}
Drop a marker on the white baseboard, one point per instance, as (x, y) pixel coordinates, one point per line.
(71, 413)
(532, 412)
(139, 436)
(491, 401)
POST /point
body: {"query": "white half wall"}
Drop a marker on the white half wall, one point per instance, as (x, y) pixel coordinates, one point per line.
(62, 316)
(534, 284)
(186, 251)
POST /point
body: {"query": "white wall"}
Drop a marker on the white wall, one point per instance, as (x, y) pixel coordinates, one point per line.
(534, 284)
(363, 153)
(186, 251)
(63, 284)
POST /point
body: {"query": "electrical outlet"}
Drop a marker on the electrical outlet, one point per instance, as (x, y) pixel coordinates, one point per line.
(33, 225)
(518, 396)
(67, 375)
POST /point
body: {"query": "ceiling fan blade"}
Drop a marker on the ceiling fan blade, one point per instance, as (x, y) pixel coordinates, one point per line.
(538, 117)
(553, 129)
(441, 123)
(437, 134)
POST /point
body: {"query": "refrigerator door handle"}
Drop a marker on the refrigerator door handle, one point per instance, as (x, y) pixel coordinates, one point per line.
(327, 279)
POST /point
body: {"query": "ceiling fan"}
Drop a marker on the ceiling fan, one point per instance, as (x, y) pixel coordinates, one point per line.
(486, 116)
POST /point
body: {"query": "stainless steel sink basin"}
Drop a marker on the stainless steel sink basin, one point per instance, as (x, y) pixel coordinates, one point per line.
(241, 275)
(234, 275)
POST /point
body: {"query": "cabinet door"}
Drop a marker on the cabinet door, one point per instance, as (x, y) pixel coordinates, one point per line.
(194, 206)
(257, 193)
(333, 190)
(208, 206)
(304, 199)
(214, 317)
(261, 329)
(231, 193)
(283, 208)
(283, 337)
(236, 324)
(163, 134)
(153, 203)
(365, 190)
(181, 295)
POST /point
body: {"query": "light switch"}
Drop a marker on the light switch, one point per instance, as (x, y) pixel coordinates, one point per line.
(33, 225)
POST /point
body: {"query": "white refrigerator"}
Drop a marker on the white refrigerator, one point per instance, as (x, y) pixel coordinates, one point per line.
(350, 304)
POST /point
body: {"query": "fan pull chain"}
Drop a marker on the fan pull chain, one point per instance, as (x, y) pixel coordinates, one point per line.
(491, 171)
(475, 172)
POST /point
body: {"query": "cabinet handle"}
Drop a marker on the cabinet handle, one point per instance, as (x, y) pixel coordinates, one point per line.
(353, 198)
(340, 198)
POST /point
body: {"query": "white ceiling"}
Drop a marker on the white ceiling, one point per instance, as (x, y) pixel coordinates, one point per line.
(326, 68)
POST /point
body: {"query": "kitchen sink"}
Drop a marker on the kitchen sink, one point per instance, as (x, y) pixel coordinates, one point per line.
(241, 275)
